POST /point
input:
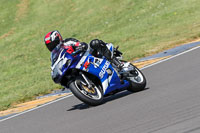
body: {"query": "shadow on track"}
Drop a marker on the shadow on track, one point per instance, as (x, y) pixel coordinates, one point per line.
(119, 95)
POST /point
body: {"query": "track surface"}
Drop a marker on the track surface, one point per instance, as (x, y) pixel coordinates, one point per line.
(170, 104)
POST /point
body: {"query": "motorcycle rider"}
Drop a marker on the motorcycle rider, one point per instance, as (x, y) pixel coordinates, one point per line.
(54, 39)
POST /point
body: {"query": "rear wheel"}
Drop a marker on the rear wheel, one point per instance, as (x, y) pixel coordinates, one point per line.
(136, 79)
(92, 95)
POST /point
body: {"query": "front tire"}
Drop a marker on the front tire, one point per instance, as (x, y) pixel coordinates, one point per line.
(91, 96)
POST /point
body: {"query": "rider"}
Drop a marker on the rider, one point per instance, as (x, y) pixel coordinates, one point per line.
(54, 39)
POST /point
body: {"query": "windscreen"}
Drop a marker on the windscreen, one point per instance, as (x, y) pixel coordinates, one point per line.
(55, 54)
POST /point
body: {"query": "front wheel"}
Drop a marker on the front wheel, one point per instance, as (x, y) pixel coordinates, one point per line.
(92, 95)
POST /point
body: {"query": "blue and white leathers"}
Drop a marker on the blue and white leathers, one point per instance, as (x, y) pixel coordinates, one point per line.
(101, 68)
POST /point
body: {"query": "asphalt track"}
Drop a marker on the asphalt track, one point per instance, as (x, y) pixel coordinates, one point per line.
(170, 104)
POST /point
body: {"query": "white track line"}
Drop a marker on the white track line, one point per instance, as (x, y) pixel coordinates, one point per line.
(170, 57)
(36, 107)
(72, 94)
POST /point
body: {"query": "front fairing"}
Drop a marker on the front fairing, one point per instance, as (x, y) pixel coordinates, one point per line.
(61, 62)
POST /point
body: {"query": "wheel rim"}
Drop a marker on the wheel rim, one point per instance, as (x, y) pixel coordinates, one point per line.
(92, 93)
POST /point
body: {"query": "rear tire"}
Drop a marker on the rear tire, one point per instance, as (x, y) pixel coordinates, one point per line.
(137, 83)
(92, 96)
(136, 79)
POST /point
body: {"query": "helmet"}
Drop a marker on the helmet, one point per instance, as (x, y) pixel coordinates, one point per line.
(52, 39)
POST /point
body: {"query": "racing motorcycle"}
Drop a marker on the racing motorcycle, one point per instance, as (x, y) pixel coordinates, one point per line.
(91, 78)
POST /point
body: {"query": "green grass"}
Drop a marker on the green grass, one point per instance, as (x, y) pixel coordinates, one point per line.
(140, 28)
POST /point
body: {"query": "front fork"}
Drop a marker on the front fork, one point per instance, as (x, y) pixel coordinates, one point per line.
(90, 86)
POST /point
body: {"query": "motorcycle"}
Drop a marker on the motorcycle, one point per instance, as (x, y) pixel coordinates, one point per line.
(91, 78)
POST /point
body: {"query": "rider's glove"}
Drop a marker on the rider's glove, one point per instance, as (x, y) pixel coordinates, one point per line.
(82, 47)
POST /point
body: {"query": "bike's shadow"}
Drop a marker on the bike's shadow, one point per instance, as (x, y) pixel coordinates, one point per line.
(122, 94)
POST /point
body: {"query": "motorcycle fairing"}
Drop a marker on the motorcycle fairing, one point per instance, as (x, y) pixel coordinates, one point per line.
(99, 67)
(87, 62)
